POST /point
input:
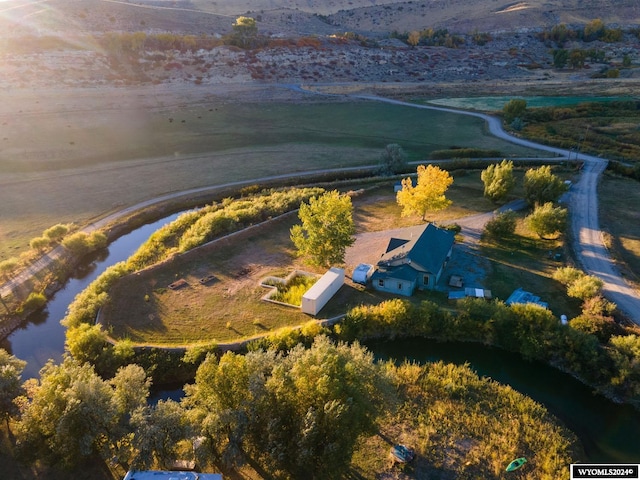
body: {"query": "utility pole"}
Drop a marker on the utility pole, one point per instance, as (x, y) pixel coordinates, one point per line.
(584, 137)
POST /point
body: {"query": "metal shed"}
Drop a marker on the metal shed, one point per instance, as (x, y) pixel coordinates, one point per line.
(321, 292)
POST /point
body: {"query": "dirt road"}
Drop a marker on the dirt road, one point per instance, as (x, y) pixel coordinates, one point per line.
(588, 243)
(585, 225)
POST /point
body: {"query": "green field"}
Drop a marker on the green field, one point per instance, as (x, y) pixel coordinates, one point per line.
(85, 163)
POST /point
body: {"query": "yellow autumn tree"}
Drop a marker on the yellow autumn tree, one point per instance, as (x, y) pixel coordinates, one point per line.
(428, 195)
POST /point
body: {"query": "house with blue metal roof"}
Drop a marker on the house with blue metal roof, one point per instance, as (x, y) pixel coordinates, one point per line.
(415, 260)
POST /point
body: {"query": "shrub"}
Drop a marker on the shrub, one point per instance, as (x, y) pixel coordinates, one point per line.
(196, 354)
(585, 287)
(598, 305)
(34, 302)
(56, 233)
(82, 243)
(39, 243)
(292, 292)
(455, 152)
(392, 159)
(501, 226)
(582, 286)
(87, 343)
(542, 186)
(513, 109)
(567, 275)
(600, 326)
(547, 220)
(7, 267)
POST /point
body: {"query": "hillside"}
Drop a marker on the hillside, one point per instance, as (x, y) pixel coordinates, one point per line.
(368, 17)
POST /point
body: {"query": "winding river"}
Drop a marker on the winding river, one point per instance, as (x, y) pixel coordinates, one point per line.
(608, 431)
(41, 336)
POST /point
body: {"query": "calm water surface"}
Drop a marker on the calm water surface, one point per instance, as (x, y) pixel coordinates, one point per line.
(41, 337)
(608, 432)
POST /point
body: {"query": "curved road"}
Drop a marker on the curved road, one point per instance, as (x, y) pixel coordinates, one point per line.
(44, 262)
(583, 201)
(587, 239)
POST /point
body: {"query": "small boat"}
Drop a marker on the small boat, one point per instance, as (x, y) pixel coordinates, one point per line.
(402, 453)
(516, 464)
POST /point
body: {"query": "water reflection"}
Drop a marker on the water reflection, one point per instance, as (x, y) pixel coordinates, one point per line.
(41, 337)
(608, 431)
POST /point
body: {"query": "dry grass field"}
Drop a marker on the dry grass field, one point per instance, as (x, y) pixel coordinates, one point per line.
(620, 220)
(229, 307)
(103, 154)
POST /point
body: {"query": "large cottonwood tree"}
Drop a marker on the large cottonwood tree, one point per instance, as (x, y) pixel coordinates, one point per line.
(68, 414)
(428, 195)
(10, 384)
(327, 229)
(299, 414)
(498, 180)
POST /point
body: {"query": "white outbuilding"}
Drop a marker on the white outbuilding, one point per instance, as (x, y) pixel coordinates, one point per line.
(321, 292)
(362, 273)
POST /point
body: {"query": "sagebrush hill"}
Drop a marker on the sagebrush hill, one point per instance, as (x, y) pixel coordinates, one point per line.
(367, 17)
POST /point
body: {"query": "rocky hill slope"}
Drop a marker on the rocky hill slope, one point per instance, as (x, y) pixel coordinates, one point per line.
(75, 42)
(370, 17)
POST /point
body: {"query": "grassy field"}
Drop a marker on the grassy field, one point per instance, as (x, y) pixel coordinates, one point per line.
(85, 162)
(228, 308)
(609, 129)
(378, 209)
(462, 427)
(524, 261)
(620, 219)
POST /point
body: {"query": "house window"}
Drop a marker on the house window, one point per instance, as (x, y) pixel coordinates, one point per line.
(381, 283)
(399, 286)
(425, 280)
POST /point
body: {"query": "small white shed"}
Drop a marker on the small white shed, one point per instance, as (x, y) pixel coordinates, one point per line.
(362, 273)
(321, 292)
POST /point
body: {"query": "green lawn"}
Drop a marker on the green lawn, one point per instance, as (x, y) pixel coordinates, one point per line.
(524, 261)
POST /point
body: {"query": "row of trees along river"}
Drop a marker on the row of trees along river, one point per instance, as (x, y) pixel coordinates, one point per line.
(606, 429)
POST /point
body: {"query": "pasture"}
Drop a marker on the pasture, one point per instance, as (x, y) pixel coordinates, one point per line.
(101, 153)
(620, 222)
(144, 310)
